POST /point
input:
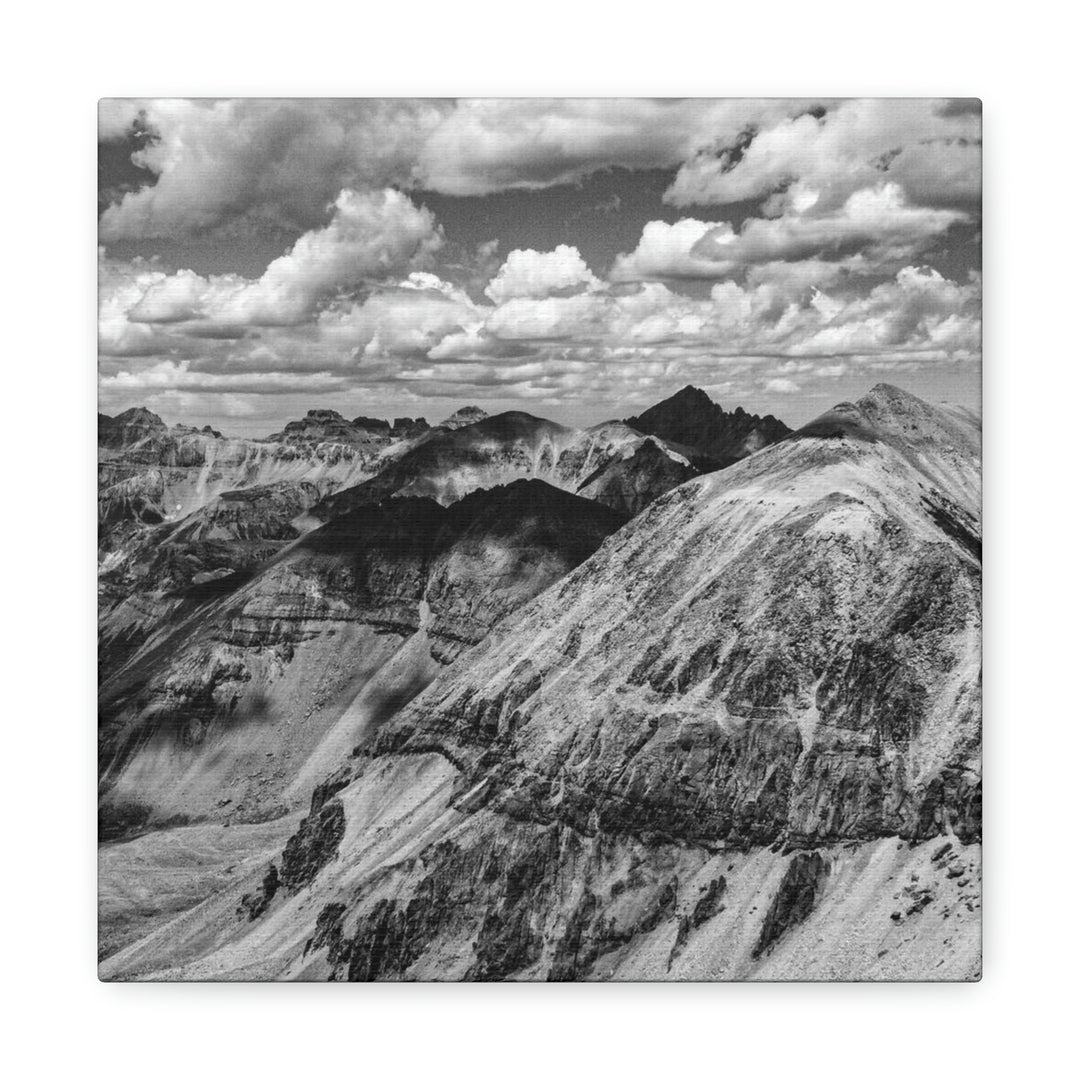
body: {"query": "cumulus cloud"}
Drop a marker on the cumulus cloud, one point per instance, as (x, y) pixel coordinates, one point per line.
(816, 276)
(668, 251)
(277, 161)
(540, 273)
(370, 236)
(931, 150)
(917, 310)
(426, 333)
(281, 161)
(410, 319)
(495, 145)
(877, 225)
(780, 386)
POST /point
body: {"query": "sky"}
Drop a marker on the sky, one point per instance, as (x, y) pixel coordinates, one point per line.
(577, 259)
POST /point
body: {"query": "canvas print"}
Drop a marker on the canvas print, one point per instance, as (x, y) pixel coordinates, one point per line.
(539, 540)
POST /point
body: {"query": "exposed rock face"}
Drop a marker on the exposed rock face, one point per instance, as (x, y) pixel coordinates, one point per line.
(470, 414)
(130, 427)
(325, 425)
(171, 568)
(449, 463)
(405, 427)
(256, 679)
(691, 419)
(372, 425)
(180, 509)
(629, 484)
(166, 476)
(794, 900)
(727, 745)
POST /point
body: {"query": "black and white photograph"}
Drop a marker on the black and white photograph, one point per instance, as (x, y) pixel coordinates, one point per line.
(539, 539)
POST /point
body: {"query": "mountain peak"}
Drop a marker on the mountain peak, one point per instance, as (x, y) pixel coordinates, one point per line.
(130, 427)
(887, 395)
(942, 442)
(139, 416)
(691, 418)
(897, 413)
(469, 414)
(692, 393)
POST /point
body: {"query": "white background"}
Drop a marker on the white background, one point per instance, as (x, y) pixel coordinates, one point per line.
(61, 1021)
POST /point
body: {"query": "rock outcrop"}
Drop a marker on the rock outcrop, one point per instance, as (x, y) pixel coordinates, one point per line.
(258, 677)
(470, 414)
(451, 462)
(629, 484)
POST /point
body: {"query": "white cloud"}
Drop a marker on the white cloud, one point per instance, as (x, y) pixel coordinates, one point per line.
(371, 235)
(875, 227)
(780, 386)
(170, 375)
(797, 292)
(410, 319)
(931, 151)
(627, 344)
(489, 145)
(278, 161)
(667, 251)
(282, 161)
(540, 273)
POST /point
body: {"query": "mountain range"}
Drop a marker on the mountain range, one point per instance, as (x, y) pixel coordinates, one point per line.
(686, 696)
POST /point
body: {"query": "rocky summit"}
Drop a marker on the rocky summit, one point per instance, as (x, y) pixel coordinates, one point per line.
(532, 703)
(715, 438)
(470, 414)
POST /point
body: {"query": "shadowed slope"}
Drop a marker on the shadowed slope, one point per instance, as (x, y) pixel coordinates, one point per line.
(266, 669)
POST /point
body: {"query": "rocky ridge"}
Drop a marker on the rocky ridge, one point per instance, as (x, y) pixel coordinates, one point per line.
(741, 740)
(451, 462)
(330, 634)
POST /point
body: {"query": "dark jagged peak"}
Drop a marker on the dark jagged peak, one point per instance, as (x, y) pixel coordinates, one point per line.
(470, 414)
(717, 438)
(690, 397)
